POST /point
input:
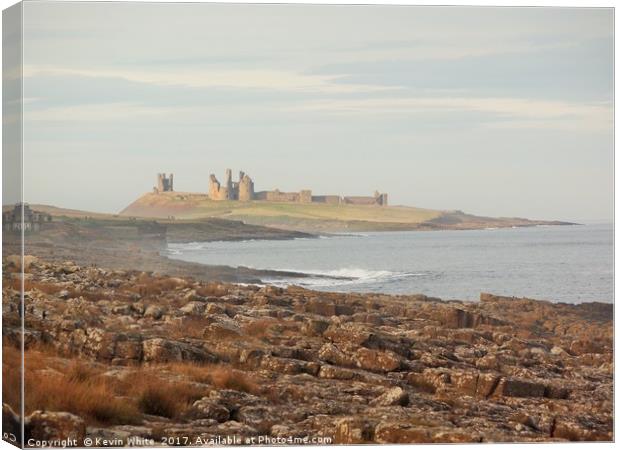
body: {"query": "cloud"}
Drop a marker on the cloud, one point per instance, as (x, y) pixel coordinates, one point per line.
(279, 80)
(107, 112)
(504, 111)
(577, 69)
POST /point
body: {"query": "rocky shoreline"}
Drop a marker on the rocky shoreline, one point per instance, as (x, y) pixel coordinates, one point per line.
(219, 359)
(139, 245)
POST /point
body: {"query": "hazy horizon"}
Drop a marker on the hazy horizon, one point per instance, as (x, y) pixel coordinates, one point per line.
(493, 111)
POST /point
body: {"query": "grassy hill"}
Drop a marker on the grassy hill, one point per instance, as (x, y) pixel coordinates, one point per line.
(311, 217)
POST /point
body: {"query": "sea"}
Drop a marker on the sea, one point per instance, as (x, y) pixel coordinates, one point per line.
(571, 264)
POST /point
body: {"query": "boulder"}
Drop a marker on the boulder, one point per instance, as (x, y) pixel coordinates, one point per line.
(214, 308)
(163, 350)
(207, 408)
(260, 417)
(154, 312)
(332, 354)
(511, 387)
(54, 425)
(314, 327)
(580, 430)
(11, 424)
(401, 433)
(336, 373)
(222, 330)
(289, 366)
(430, 380)
(194, 308)
(353, 430)
(395, 396)
(377, 360)
(556, 392)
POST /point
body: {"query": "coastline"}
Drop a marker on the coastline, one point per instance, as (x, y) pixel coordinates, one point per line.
(119, 245)
(129, 243)
(353, 368)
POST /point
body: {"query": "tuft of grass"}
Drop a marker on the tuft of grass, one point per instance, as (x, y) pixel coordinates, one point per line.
(11, 375)
(225, 377)
(147, 285)
(260, 328)
(82, 388)
(218, 375)
(162, 398)
(79, 372)
(199, 373)
(158, 402)
(78, 388)
(92, 398)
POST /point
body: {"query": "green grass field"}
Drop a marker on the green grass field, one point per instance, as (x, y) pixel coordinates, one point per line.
(191, 206)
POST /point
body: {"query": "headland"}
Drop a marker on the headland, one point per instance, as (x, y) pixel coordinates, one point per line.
(303, 211)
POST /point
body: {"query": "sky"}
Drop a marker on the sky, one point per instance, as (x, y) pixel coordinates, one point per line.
(493, 111)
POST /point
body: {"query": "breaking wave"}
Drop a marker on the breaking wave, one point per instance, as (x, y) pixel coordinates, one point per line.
(341, 277)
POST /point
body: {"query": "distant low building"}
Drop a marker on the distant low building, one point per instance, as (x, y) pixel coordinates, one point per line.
(12, 220)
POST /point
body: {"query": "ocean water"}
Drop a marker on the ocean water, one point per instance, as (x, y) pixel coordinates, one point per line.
(559, 263)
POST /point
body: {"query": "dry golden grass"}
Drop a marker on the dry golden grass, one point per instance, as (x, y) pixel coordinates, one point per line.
(163, 398)
(47, 288)
(93, 399)
(260, 328)
(11, 378)
(200, 373)
(218, 375)
(53, 289)
(148, 285)
(82, 388)
(224, 377)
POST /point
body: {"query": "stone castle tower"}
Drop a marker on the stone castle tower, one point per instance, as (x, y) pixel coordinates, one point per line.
(164, 183)
(242, 190)
(246, 188)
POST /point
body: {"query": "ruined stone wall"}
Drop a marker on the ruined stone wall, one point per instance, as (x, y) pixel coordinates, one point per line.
(359, 200)
(277, 196)
(216, 190)
(376, 199)
(329, 199)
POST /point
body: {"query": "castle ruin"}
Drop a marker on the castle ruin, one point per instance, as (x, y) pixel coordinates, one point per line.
(243, 190)
(164, 183)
